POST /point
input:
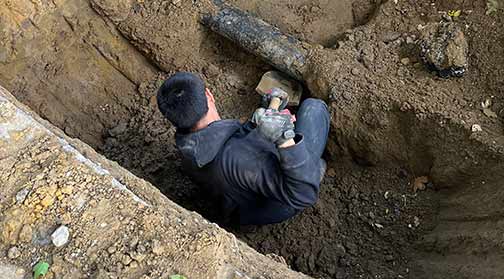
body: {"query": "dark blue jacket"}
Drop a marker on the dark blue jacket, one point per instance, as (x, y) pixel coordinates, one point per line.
(253, 181)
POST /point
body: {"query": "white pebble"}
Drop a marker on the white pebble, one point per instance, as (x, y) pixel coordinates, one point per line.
(476, 128)
(60, 236)
(21, 195)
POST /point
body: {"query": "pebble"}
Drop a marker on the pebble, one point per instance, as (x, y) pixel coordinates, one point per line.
(347, 95)
(60, 236)
(26, 234)
(126, 260)
(176, 2)
(405, 61)
(21, 195)
(13, 253)
(489, 113)
(20, 272)
(111, 249)
(331, 172)
(416, 221)
(134, 265)
(355, 71)
(389, 37)
(119, 129)
(476, 128)
(157, 247)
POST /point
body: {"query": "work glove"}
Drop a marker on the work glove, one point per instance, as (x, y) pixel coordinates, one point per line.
(275, 92)
(275, 126)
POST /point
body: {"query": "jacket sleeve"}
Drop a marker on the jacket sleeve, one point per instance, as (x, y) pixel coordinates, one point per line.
(293, 180)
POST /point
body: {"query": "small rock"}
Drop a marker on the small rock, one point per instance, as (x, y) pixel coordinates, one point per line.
(119, 129)
(340, 250)
(444, 49)
(60, 236)
(111, 249)
(405, 61)
(20, 272)
(176, 2)
(21, 195)
(391, 36)
(139, 257)
(126, 260)
(211, 71)
(476, 128)
(355, 72)
(26, 233)
(314, 9)
(416, 221)
(13, 253)
(134, 265)
(487, 103)
(331, 172)
(386, 195)
(157, 247)
(489, 113)
(347, 95)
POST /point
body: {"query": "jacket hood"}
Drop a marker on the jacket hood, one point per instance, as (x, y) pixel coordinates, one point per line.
(202, 146)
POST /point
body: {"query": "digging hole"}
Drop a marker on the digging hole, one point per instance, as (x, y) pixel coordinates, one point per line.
(365, 222)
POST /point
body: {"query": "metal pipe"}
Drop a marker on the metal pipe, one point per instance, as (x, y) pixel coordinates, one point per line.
(283, 52)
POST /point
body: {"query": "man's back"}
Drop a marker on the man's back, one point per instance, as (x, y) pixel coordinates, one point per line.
(254, 181)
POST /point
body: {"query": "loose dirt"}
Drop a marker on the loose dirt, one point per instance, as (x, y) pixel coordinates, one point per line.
(393, 120)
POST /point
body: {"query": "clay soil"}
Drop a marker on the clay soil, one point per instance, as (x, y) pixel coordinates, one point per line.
(368, 223)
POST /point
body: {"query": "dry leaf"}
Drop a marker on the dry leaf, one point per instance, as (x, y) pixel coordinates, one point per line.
(454, 13)
(419, 183)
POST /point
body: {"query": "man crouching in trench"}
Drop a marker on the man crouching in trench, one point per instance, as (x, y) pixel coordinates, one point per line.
(261, 172)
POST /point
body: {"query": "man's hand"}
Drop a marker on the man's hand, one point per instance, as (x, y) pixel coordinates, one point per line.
(278, 93)
(277, 127)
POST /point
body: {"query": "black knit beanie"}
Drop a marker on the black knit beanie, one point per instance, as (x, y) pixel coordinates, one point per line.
(181, 99)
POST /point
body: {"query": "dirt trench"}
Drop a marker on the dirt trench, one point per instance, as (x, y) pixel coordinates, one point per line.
(92, 69)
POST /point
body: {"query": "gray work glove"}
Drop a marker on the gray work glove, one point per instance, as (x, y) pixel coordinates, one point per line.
(275, 126)
(275, 92)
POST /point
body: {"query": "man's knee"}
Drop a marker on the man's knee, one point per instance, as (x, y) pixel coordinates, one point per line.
(312, 107)
(313, 103)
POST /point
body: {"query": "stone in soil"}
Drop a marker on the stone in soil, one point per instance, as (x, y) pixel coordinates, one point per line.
(60, 236)
(13, 253)
(444, 48)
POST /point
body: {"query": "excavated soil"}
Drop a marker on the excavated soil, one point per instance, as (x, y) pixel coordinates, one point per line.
(93, 69)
